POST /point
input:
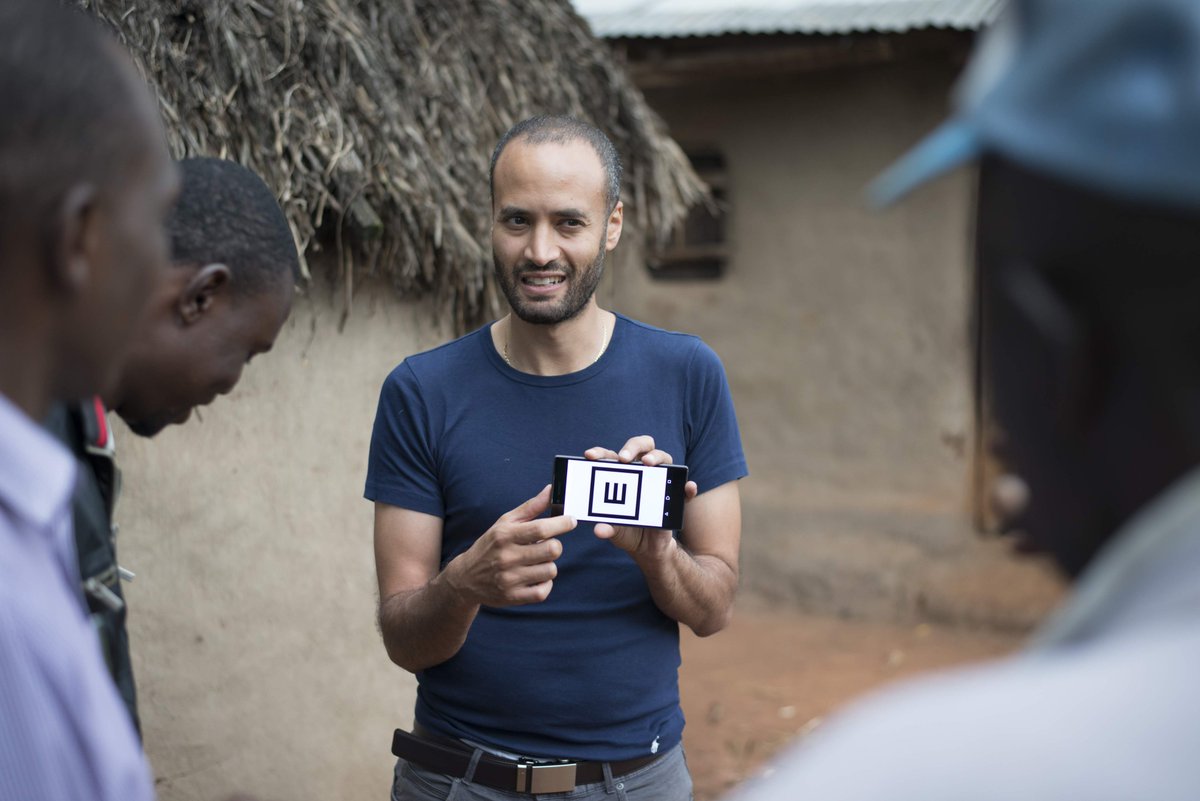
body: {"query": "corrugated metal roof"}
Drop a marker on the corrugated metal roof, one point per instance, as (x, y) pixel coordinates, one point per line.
(678, 18)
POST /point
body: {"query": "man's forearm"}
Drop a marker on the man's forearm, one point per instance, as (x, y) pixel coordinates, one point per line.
(426, 626)
(696, 590)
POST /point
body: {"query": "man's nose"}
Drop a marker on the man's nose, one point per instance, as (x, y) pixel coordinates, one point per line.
(543, 246)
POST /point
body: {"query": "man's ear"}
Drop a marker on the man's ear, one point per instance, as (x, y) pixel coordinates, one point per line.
(616, 219)
(74, 240)
(202, 291)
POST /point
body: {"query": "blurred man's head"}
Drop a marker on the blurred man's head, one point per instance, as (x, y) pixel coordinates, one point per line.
(85, 186)
(223, 301)
(1087, 113)
(1090, 343)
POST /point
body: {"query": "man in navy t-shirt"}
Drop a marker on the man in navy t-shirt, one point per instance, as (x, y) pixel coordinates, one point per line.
(546, 651)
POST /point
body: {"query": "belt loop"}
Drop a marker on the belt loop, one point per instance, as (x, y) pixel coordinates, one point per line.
(608, 779)
(470, 774)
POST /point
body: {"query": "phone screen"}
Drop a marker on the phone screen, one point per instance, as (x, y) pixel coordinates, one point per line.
(620, 494)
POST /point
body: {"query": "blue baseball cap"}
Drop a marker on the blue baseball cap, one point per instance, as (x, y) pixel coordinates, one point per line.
(1101, 93)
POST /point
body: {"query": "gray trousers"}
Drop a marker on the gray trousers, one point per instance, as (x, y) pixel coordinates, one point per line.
(665, 779)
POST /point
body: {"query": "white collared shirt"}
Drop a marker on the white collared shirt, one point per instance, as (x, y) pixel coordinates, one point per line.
(63, 732)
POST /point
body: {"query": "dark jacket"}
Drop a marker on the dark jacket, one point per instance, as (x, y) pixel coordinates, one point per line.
(84, 428)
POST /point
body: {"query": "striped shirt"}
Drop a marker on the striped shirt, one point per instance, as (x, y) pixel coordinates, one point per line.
(63, 732)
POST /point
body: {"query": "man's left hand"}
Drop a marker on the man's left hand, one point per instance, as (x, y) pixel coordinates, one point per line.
(653, 543)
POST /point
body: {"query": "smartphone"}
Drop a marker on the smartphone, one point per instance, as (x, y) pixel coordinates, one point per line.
(617, 493)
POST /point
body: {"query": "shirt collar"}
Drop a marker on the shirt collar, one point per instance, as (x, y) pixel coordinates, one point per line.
(37, 473)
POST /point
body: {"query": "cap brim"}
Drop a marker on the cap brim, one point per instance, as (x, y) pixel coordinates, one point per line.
(949, 146)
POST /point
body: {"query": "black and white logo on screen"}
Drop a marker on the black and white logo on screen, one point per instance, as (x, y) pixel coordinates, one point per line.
(616, 493)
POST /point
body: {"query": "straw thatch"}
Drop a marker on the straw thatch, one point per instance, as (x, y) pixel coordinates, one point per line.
(374, 119)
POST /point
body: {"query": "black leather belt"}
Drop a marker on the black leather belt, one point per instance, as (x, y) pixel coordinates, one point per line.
(453, 758)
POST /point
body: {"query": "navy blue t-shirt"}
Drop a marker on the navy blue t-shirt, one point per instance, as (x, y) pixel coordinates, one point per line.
(592, 672)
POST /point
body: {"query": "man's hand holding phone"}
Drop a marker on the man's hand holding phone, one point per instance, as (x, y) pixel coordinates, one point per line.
(653, 543)
(692, 578)
(513, 562)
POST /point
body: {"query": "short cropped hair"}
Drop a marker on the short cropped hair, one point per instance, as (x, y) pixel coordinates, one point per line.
(67, 95)
(227, 215)
(559, 130)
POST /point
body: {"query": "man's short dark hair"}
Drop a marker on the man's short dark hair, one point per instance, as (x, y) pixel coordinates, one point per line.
(560, 130)
(227, 215)
(67, 99)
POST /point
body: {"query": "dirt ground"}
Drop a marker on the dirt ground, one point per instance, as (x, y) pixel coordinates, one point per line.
(775, 675)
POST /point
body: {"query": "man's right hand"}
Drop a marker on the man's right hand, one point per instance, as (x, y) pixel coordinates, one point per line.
(513, 562)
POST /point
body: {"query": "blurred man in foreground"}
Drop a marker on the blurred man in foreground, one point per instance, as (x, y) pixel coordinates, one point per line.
(222, 302)
(1086, 114)
(85, 185)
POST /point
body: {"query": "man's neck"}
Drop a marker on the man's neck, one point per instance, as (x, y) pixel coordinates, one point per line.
(115, 398)
(26, 372)
(558, 349)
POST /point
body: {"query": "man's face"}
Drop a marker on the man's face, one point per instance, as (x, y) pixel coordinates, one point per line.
(551, 228)
(176, 367)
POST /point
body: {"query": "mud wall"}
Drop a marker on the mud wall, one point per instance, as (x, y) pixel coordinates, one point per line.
(846, 334)
(252, 615)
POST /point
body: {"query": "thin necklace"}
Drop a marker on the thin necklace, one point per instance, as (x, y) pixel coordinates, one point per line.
(599, 353)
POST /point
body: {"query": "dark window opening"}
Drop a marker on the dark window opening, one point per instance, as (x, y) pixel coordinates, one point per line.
(697, 248)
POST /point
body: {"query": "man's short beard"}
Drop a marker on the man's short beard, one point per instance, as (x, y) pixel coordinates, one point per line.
(582, 287)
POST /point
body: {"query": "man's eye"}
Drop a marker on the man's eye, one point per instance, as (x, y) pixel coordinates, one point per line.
(518, 220)
(572, 223)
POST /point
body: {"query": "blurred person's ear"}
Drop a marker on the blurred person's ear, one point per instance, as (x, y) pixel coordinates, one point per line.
(74, 240)
(203, 289)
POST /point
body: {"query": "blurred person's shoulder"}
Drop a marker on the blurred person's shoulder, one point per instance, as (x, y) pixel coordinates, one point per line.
(1112, 719)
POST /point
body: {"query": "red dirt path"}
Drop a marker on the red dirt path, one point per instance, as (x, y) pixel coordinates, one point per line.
(774, 675)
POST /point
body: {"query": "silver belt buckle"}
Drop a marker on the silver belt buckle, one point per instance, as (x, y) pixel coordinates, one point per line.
(554, 778)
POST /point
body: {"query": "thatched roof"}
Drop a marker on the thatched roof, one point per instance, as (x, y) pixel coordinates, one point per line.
(374, 119)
